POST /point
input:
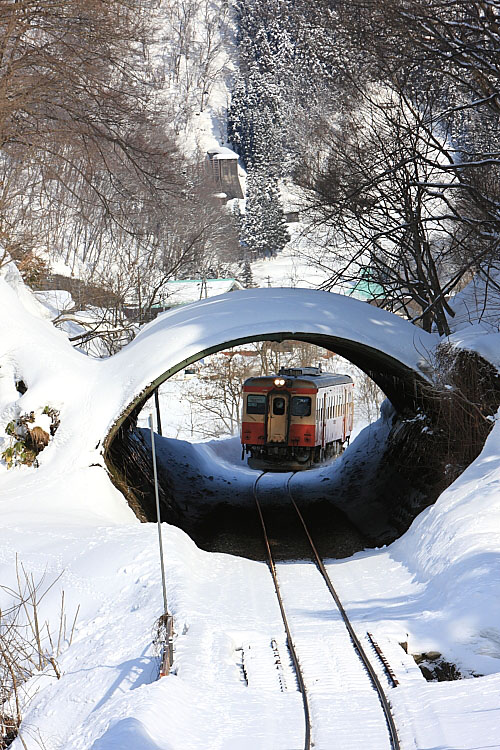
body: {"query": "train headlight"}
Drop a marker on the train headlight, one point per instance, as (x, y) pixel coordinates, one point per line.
(279, 382)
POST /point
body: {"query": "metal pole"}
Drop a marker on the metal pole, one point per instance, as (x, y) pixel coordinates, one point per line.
(158, 416)
(157, 496)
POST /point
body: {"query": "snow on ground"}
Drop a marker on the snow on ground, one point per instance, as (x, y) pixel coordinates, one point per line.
(287, 269)
(478, 303)
(437, 587)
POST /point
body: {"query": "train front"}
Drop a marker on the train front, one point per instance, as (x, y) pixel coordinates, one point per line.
(278, 423)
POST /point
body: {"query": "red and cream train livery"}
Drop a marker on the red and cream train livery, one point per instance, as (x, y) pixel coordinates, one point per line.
(296, 418)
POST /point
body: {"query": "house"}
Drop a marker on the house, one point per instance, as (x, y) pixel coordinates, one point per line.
(222, 164)
(368, 291)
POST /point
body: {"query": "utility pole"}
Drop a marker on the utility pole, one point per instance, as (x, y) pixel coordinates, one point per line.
(166, 620)
(203, 288)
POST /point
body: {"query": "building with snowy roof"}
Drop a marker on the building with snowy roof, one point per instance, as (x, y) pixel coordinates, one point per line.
(222, 164)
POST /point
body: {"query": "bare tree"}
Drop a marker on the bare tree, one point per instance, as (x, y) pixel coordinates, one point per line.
(194, 52)
(383, 182)
(83, 144)
(426, 156)
(215, 397)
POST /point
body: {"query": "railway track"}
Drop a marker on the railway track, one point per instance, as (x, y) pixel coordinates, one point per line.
(345, 704)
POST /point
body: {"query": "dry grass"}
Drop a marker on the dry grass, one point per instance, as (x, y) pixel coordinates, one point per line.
(28, 646)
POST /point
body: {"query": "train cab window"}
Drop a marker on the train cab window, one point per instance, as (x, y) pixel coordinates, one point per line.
(301, 406)
(278, 406)
(256, 404)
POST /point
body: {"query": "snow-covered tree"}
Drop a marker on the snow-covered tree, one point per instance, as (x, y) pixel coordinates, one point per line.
(263, 229)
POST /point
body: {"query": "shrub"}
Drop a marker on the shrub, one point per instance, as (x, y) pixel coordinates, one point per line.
(27, 438)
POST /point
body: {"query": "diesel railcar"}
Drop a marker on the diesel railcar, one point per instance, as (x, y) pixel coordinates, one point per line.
(296, 419)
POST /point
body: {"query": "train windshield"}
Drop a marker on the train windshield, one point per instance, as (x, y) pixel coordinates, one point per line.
(278, 405)
(301, 406)
(256, 404)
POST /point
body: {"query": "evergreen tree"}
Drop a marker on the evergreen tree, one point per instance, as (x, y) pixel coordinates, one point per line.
(263, 229)
(287, 53)
(248, 281)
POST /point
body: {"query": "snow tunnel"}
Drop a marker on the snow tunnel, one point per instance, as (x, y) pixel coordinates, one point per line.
(396, 355)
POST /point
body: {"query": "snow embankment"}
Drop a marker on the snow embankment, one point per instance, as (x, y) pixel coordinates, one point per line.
(453, 549)
(71, 481)
(435, 588)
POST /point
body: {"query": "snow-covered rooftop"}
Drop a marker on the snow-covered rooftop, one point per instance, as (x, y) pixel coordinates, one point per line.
(222, 152)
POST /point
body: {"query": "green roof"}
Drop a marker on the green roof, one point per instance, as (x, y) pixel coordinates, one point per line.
(367, 289)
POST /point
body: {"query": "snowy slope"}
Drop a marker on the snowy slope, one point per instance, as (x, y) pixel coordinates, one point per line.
(437, 587)
(478, 304)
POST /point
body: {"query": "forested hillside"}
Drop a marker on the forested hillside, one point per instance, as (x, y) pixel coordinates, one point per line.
(378, 118)
(386, 114)
(96, 110)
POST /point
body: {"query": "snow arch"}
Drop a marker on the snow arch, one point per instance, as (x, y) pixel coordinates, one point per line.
(389, 349)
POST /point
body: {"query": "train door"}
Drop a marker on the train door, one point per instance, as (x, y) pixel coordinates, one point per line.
(277, 418)
(323, 417)
(343, 412)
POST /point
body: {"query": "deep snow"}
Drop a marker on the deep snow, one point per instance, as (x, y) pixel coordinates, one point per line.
(436, 587)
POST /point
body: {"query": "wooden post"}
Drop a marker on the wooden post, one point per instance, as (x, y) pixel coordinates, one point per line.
(158, 415)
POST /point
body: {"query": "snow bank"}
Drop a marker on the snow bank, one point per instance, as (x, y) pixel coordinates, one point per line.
(478, 305)
(476, 339)
(71, 479)
(453, 548)
(436, 587)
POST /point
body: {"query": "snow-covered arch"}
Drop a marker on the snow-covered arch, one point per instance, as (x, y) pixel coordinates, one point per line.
(391, 350)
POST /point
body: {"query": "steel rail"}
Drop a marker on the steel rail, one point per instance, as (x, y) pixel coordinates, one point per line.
(291, 648)
(355, 640)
